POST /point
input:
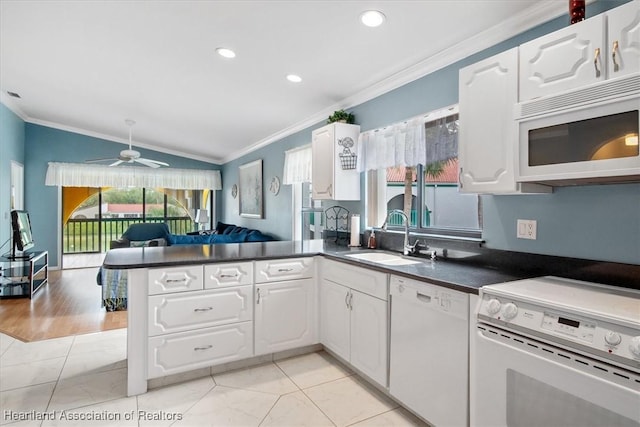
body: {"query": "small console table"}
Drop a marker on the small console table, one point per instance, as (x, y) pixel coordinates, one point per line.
(22, 277)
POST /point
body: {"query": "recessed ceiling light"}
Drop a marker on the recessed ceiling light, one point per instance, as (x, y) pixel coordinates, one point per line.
(372, 18)
(294, 78)
(227, 53)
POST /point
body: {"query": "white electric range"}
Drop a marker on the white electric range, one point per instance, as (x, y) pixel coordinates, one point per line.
(556, 352)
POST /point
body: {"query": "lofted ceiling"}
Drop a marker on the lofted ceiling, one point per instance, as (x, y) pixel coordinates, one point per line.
(86, 66)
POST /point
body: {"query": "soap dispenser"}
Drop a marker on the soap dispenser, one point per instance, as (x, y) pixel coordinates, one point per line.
(371, 244)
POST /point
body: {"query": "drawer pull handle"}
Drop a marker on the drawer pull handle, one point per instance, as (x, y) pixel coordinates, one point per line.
(228, 275)
(258, 296)
(203, 309)
(176, 280)
(596, 58)
(206, 347)
(284, 270)
(616, 67)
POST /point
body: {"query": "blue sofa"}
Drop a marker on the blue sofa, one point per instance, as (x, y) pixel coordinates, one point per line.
(114, 282)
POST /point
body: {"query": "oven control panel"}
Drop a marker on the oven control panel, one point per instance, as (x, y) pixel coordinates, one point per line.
(610, 340)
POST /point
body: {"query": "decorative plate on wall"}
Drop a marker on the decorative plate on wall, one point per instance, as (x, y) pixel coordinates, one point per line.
(274, 187)
(234, 191)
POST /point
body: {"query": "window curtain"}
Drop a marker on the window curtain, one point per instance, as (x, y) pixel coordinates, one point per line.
(297, 165)
(86, 175)
(401, 144)
(409, 143)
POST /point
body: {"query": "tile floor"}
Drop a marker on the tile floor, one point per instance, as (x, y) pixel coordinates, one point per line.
(81, 380)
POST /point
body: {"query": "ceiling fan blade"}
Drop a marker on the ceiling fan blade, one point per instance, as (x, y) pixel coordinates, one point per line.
(99, 160)
(116, 163)
(147, 162)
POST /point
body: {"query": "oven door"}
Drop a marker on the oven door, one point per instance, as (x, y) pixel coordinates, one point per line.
(520, 382)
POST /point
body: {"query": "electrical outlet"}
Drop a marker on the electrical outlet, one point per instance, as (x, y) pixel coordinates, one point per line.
(527, 229)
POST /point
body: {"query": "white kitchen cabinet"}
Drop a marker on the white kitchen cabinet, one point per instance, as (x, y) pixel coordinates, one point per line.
(353, 323)
(285, 305)
(488, 133)
(563, 60)
(623, 35)
(183, 311)
(285, 315)
(175, 279)
(334, 174)
(184, 351)
(228, 274)
(582, 53)
(277, 270)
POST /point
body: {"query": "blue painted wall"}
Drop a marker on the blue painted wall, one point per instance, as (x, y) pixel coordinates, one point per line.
(44, 144)
(592, 222)
(12, 141)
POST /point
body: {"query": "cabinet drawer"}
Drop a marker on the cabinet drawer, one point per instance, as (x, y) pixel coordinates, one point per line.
(184, 351)
(234, 274)
(373, 283)
(175, 279)
(190, 310)
(276, 270)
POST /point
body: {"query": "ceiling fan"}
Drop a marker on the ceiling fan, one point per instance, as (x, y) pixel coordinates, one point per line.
(130, 155)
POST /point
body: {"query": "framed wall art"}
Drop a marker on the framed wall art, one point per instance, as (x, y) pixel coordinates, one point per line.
(250, 189)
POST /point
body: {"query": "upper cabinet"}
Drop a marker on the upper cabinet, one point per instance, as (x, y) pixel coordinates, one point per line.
(488, 91)
(563, 60)
(604, 46)
(334, 174)
(624, 39)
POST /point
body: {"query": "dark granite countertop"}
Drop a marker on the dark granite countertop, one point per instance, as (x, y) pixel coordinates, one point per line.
(466, 274)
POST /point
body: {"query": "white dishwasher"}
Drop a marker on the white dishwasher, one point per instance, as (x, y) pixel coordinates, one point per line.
(429, 360)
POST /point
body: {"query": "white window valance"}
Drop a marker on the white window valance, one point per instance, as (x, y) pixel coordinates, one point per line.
(87, 175)
(297, 165)
(418, 141)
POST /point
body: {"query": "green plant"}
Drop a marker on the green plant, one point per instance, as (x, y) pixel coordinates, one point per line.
(341, 115)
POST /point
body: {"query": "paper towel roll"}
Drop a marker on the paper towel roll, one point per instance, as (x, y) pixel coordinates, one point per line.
(355, 230)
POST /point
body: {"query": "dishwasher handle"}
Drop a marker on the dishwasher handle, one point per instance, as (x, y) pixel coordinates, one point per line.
(423, 297)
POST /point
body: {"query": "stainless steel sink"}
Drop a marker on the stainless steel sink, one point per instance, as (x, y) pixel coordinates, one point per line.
(383, 258)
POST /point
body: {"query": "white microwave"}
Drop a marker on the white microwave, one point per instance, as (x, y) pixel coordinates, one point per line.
(585, 142)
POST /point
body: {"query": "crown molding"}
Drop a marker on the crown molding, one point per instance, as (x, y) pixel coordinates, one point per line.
(538, 14)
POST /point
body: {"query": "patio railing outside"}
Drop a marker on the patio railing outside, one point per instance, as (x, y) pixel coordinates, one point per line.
(93, 235)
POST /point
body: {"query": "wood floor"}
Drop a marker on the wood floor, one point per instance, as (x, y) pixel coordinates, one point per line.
(69, 305)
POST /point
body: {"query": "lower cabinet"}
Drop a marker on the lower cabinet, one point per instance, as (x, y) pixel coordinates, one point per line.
(285, 315)
(184, 351)
(354, 324)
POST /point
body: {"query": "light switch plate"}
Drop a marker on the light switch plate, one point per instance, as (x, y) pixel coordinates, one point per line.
(527, 229)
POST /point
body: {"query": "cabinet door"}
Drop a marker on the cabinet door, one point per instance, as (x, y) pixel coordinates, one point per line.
(369, 336)
(624, 39)
(284, 315)
(334, 318)
(322, 163)
(563, 60)
(487, 138)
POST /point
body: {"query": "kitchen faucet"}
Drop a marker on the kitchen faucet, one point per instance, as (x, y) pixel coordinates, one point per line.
(407, 248)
